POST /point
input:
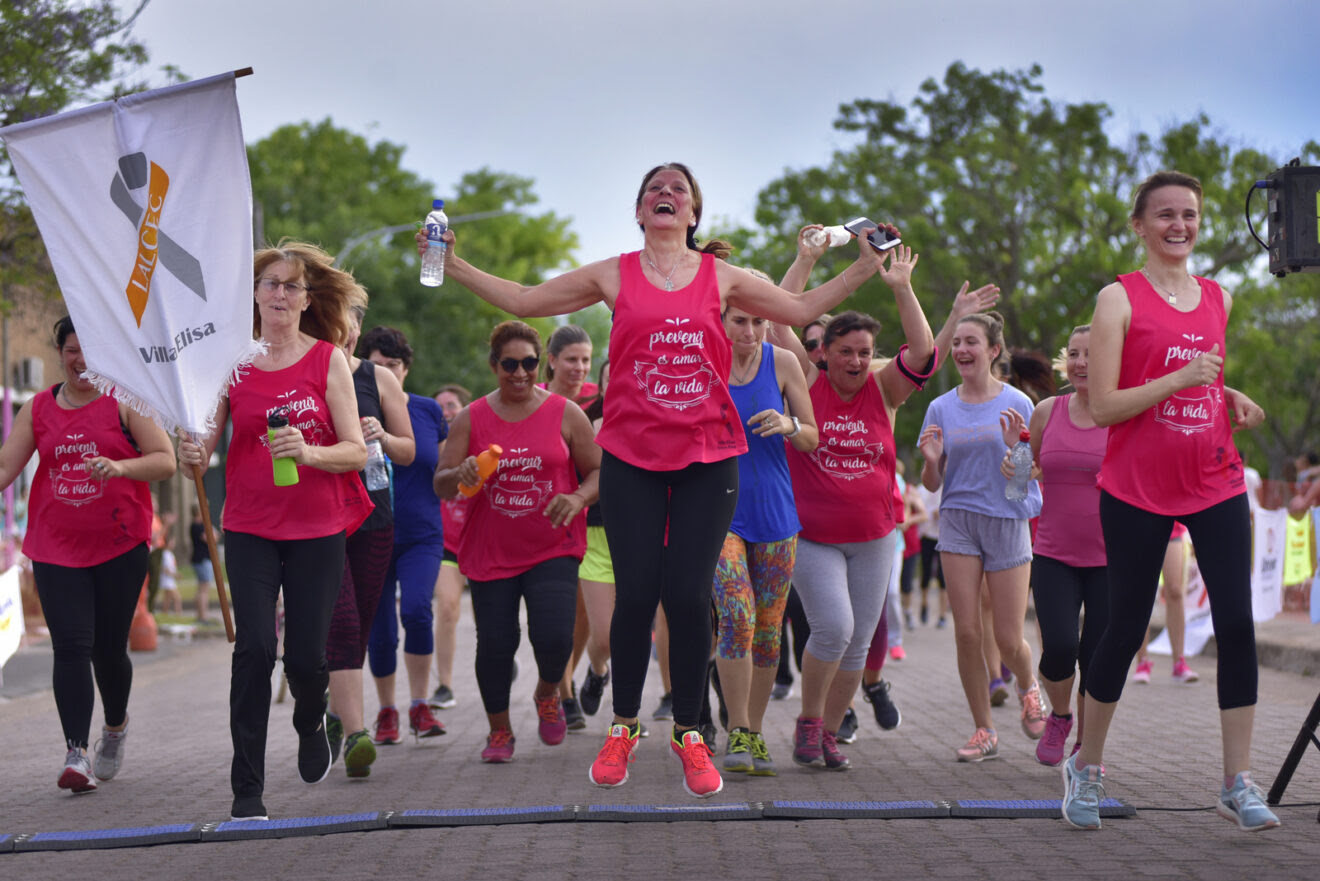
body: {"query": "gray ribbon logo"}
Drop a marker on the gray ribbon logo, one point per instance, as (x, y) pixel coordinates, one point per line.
(132, 175)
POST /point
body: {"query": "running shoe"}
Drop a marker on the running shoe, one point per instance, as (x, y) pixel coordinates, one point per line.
(942, 623)
(887, 715)
(806, 741)
(1181, 673)
(1005, 674)
(1055, 740)
(593, 689)
(1082, 793)
(707, 731)
(77, 776)
(998, 692)
(552, 725)
(314, 754)
(847, 732)
(573, 717)
(829, 750)
(782, 691)
(762, 764)
(387, 726)
(499, 747)
(700, 777)
(897, 653)
(334, 732)
(1033, 711)
(908, 622)
(738, 752)
(359, 754)
(1244, 804)
(983, 745)
(665, 710)
(443, 698)
(109, 752)
(247, 807)
(611, 765)
(423, 722)
(1141, 675)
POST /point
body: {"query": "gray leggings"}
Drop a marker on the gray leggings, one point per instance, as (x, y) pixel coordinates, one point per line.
(843, 588)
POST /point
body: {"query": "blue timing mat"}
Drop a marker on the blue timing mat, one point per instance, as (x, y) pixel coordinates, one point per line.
(855, 810)
(94, 839)
(240, 830)
(483, 816)
(984, 808)
(669, 813)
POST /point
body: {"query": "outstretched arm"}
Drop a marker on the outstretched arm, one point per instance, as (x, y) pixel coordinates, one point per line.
(966, 302)
(894, 383)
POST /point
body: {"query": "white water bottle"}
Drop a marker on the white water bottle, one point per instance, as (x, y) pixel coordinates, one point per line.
(375, 475)
(1016, 490)
(833, 235)
(433, 258)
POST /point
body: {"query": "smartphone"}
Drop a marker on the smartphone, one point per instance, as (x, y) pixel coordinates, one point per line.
(880, 239)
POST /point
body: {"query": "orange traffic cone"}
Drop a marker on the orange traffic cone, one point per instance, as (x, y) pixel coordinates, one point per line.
(142, 633)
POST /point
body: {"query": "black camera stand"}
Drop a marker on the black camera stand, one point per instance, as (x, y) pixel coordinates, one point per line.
(1307, 734)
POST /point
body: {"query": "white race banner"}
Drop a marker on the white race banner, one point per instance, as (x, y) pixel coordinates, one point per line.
(11, 615)
(1270, 533)
(1196, 612)
(145, 207)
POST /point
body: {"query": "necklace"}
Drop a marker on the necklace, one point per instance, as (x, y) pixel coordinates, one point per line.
(64, 393)
(669, 285)
(1172, 295)
(746, 375)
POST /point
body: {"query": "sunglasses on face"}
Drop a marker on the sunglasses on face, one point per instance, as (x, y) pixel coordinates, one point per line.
(510, 365)
(811, 345)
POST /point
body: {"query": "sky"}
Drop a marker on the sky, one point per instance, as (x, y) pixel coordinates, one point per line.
(583, 96)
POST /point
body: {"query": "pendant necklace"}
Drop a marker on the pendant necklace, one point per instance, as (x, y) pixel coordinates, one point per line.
(751, 370)
(669, 285)
(1172, 295)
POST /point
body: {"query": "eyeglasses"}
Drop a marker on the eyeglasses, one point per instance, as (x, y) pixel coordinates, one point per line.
(271, 285)
(511, 365)
(811, 345)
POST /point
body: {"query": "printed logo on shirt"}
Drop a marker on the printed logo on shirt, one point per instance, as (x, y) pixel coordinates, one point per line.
(518, 487)
(845, 451)
(680, 376)
(70, 481)
(302, 413)
(1191, 410)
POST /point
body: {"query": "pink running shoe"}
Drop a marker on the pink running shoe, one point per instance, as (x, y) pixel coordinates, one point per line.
(499, 747)
(611, 765)
(553, 725)
(1033, 711)
(896, 653)
(1183, 673)
(1050, 749)
(806, 741)
(387, 726)
(983, 745)
(700, 777)
(829, 750)
(1141, 675)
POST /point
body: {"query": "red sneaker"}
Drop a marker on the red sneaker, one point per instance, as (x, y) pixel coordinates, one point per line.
(611, 765)
(700, 777)
(423, 722)
(387, 726)
(499, 747)
(553, 725)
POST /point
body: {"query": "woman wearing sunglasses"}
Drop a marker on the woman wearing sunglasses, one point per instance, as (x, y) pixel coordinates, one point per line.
(523, 538)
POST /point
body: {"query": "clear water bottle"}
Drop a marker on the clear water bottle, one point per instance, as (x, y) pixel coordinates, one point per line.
(375, 475)
(833, 235)
(1016, 490)
(433, 259)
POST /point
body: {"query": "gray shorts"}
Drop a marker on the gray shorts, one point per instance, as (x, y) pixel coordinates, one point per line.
(1000, 542)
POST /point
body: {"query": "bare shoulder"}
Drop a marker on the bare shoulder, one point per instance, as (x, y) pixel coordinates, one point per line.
(605, 275)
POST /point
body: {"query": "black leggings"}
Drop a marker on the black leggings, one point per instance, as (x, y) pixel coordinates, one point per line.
(89, 611)
(1061, 592)
(310, 571)
(1136, 541)
(666, 530)
(930, 562)
(549, 590)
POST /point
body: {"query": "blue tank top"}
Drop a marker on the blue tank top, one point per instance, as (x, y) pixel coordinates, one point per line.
(416, 507)
(765, 511)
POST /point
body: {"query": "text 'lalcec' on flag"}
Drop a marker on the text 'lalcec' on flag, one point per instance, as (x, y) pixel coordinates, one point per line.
(145, 207)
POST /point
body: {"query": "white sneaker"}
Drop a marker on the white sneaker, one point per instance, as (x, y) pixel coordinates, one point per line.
(109, 752)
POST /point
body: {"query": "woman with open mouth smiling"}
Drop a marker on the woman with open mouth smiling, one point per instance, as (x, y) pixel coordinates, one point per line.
(670, 435)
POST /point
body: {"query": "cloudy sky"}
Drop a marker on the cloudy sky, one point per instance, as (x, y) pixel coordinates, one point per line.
(585, 95)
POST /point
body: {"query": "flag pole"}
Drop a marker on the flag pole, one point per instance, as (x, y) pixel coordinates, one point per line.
(197, 473)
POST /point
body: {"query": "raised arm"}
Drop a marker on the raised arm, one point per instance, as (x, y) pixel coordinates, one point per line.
(896, 384)
(965, 302)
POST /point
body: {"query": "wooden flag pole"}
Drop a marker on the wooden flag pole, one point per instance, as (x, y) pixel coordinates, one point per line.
(198, 471)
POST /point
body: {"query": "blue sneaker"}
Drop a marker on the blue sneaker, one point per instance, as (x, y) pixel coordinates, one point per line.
(1244, 804)
(1082, 792)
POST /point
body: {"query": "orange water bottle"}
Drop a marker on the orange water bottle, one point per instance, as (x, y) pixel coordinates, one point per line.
(487, 461)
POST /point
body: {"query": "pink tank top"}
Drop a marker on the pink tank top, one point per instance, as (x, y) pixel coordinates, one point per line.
(320, 503)
(74, 518)
(844, 488)
(669, 404)
(1069, 527)
(1177, 457)
(506, 532)
(453, 514)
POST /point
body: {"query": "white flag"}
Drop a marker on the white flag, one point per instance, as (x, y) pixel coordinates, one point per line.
(145, 207)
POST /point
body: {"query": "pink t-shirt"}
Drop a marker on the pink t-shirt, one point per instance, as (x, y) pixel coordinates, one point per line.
(1069, 526)
(669, 403)
(1177, 457)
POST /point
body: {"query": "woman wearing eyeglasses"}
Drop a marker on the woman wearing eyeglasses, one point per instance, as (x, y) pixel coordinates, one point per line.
(523, 538)
(288, 536)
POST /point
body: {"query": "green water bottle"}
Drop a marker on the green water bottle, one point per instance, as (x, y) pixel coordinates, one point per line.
(286, 470)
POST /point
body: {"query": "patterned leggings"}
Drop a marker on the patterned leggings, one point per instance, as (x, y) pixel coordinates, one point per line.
(751, 590)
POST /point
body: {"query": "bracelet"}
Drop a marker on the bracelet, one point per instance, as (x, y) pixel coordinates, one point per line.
(843, 277)
(797, 427)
